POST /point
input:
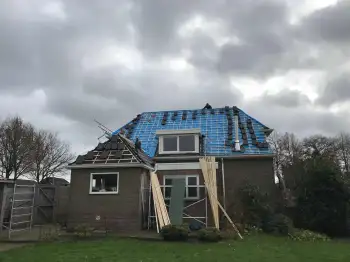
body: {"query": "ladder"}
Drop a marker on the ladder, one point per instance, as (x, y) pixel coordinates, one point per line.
(22, 208)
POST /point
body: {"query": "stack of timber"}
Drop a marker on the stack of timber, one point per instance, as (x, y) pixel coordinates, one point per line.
(209, 173)
(162, 215)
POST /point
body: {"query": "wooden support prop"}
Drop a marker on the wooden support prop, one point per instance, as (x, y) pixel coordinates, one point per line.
(161, 211)
(228, 217)
(210, 183)
(158, 212)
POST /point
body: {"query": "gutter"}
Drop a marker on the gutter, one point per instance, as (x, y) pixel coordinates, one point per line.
(223, 157)
(83, 166)
(223, 183)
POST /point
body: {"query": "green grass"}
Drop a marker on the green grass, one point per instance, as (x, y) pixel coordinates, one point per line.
(254, 248)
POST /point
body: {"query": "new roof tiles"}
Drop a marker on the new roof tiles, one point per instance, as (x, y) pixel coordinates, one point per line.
(214, 124)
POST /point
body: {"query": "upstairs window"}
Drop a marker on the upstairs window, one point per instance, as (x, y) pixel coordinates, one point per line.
(173, 144)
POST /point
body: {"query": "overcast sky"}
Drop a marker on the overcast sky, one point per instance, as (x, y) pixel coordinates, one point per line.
(65, 63)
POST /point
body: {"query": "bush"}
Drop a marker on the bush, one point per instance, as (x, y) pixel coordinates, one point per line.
(83, 231)
(307, 235)
(323, 203)
(255, 204)
(175, 233)
(209, 235)
(279, 224)
(49, 234)
(252, 230)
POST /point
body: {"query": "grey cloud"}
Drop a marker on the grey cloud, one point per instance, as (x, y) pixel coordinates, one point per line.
(261, 26)
(303, 121)
(328, 24)
(156, 22)
(287, 98)
(337, 90)
(42, 52)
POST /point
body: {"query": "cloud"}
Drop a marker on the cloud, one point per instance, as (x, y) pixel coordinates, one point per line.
(287, 98)
(337, 90)
(329, 24)
(80, 60)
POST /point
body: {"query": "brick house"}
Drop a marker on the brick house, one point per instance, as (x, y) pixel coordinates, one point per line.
(110, 185)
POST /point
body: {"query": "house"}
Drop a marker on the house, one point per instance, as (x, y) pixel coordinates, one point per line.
(110, 185)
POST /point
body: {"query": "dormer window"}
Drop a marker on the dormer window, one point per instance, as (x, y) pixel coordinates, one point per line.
(178, 141)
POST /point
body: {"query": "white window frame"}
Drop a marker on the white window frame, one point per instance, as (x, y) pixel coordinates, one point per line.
(104, 193)
(161, 144)
(198, 186)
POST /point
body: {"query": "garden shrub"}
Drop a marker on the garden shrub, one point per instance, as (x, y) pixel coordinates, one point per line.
(83, 231)
(209, 235)
(175, 233)
(323, 202)
(279, 224)
(49, 234)
(230, 234)
(252, 230)
(308, 235)
(255, 204)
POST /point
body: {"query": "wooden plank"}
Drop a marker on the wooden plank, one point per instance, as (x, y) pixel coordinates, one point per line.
(212, 190)
(156, 203)
(161, 211)
(162, 203)
(209, 185)
(214, 186)
(229, 219)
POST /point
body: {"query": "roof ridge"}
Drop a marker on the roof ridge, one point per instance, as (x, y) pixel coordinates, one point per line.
(173, 110)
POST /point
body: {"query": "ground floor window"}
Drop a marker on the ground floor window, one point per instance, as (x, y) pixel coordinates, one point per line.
(104, 183)
(191, 190)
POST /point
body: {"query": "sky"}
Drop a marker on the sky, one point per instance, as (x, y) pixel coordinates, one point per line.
(65, 63)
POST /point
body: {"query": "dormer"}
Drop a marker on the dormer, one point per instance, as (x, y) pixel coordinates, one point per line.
(179, 141)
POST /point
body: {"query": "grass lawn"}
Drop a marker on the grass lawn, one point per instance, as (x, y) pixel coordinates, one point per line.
(254, 248)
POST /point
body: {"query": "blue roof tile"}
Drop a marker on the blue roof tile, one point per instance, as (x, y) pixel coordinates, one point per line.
(213, 124)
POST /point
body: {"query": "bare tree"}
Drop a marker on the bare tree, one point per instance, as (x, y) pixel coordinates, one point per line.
(16, 139)
(319, 146)
(343, 148)
(50, 156)
(275, 144)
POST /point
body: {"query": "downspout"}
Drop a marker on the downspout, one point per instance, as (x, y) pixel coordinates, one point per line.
(237, 145)
(223, 183)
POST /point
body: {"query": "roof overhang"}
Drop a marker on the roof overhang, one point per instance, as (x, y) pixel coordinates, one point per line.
(178, 131)
(5, 181)
(91, 166)
(267, 131)
(256, 156)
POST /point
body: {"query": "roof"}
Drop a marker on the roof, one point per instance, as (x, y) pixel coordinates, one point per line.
(54, 181)
(216, 125)
(118, 150)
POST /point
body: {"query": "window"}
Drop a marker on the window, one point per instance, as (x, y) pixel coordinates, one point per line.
(191, 190)
(104, 183)
(170, 143)
(187, 143)
(179, 144)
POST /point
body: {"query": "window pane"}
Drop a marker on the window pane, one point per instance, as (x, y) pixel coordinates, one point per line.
(168, 182)
(192, 180)
(187, 143)
(170, 143)
(105, 183)
(167, 192)
(192, 192)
